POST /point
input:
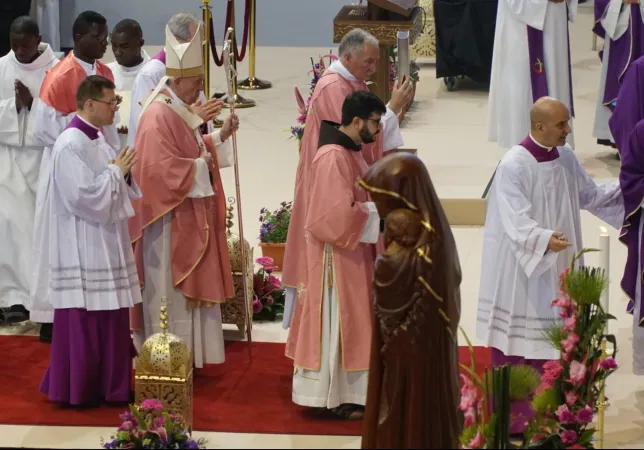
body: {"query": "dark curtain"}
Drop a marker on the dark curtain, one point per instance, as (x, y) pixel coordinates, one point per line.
(10, 10)
(465, 38)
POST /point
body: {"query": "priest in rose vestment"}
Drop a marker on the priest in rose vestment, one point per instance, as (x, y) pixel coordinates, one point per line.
(127, 46)
(54, 111)
(90, 264)
(531, 60)
(620, 24)
(22, 72)
(358, 61)
(631, 178)
(179, 231)
(330, 337)
(629, 106)
(532, 231)
(183, 27)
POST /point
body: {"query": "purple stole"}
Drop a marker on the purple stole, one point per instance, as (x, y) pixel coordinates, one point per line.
(160, 56)
(538, 77)
(80, 124)
(539, 153)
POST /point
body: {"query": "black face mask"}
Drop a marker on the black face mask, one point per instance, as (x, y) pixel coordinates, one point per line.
(365, 136)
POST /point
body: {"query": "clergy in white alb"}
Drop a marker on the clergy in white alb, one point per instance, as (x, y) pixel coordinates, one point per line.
(127, 46)
(532, 231)
(47, 15)
(359, 54)
(183, 27)
(56, 109)
(330, 337)
(179, 230)
(21, 74)
(90, 264)
(531, 60)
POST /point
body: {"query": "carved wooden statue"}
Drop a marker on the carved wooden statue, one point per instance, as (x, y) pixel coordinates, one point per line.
(413, 393)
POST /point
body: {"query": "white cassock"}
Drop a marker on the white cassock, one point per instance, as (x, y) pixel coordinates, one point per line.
(391, 139)
(510, 96)
(145, 82)
(615, 24)
(200, 328)
(47, 15)
(519, 279)
(332, 385)
(90, 264)
(51, 124)
(20, 155)
(124, 79)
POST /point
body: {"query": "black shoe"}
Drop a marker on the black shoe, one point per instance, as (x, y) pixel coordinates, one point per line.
(16, 314)
(46, 332)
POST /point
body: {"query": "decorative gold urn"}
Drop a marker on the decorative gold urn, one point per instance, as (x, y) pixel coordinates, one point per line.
(164, 371)
(233, 311)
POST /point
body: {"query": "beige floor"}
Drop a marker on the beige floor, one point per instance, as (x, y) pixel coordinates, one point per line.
(449, 130)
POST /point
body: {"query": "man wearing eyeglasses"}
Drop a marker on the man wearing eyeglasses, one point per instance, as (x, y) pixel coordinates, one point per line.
(56, 109)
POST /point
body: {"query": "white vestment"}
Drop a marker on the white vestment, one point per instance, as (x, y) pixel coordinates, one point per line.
(332, 385)
(519, 279)
(90, 262)
(200, 328)
(20, 156)
(51, 124)
(391, 139)
(47, 15)
(510, 96)
(615, 23)
(124, 79)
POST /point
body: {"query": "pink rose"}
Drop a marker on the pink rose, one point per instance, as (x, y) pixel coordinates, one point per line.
(585, 415)
(257, 306)
(608, 364)
(264, 261)
(269, 300)
(577, 373)
(274, 281)
(151, 405)
(569, 437)
(571, 398)
(565, 416)
(126, 426)
(477, 442)
(552, 369)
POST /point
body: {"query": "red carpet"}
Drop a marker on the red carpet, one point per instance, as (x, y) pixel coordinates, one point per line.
(232, 397)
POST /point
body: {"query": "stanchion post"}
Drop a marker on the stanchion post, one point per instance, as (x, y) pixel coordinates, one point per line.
(206, 16)
(252, 82)
(238, 100)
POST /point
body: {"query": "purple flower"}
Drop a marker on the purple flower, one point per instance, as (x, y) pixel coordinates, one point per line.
(152, 405)
(569, 437)
(585, 415)
(608, 364)
(257, 306)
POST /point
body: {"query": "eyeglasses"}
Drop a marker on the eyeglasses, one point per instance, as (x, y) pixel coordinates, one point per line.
(375, 121)
(113, 104)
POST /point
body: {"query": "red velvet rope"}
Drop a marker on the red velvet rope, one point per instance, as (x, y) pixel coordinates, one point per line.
(213, 44)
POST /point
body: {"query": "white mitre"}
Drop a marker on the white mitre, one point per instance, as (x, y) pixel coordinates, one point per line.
(183, 59)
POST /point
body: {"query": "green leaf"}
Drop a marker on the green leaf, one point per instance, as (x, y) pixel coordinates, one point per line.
(548, 400)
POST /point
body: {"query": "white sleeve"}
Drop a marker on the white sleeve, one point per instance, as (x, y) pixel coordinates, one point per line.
(50, 123)
(224, 150)
(529, 240)
(572, 9)
(615, 19)
(371, 230)
(201, 186)
(604, 201)
(10, 121)
(391, 136)
(530, 12)
(100, 199)
(142, 87)
(112, 137)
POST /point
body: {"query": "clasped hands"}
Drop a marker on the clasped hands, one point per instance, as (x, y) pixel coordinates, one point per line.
(24, 99)
(125, 160)
(210, 111)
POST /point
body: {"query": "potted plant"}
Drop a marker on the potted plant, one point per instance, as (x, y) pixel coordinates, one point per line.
(149, 426)
(268, 298)
(273, 232)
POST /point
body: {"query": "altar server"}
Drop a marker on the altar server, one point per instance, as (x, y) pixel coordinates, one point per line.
(179, 231)
(619, 23)
(531, 60)
(90, 265)
(532, 232)
(183, 27)
(127, 46)
(56, 109)
(22, 72)
(330, 338)
(358, 62)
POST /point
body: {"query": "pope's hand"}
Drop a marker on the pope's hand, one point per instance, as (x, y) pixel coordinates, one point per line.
(126, 160)
(208, 111)
(230, 126)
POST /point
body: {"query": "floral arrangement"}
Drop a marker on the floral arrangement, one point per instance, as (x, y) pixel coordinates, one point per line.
(274, 224)
(149, 426)
(268, 298)
(571, 387)
(297, 132)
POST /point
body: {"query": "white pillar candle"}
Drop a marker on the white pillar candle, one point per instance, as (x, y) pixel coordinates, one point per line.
(604, 263)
